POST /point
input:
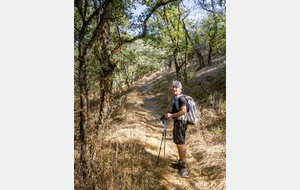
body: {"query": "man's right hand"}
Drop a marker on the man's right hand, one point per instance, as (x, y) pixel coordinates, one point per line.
(168, 115)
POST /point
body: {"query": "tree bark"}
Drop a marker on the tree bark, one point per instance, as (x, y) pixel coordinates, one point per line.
(85, 154)
(200, 57)
(84, 55)
(108, 67)
(177, 66)
(106, 95)
(210, 55)
(210, 45)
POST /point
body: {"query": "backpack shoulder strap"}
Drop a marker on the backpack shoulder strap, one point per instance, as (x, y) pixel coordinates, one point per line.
(175, 101)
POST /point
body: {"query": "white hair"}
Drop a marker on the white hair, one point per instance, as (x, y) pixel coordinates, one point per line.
(177, 83)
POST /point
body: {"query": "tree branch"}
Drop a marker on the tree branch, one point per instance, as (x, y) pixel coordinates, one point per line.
(76, 68)
(85, 8)
(144, 33)
(77, 58)
(203, 6)
(77, 29)
(96, 12)
(79, 7)
(95, 4)
(168, 25)
(104, 16)
(182, 64)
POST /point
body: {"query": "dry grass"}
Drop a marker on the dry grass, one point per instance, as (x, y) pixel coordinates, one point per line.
(206, 143)
(124, 153)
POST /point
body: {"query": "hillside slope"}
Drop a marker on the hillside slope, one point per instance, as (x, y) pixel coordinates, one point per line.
(125, 153)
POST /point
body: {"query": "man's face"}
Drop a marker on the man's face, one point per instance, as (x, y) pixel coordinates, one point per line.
(176, 90)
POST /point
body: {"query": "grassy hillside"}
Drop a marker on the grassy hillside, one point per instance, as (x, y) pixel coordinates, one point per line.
(207, 142)
(124, 152)
(207, 87)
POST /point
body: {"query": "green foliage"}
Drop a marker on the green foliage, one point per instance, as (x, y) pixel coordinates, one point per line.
(209, 31)
(219, 129)
(190, 75)
(224, 104)
(165, 37)
(136, 60)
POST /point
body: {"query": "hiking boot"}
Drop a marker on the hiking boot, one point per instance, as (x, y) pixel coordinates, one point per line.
(182, 172)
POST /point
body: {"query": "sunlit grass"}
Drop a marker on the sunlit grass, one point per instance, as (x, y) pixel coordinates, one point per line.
(124, 152)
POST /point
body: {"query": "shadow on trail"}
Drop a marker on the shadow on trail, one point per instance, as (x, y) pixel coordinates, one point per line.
(137, 157)
(136, 167)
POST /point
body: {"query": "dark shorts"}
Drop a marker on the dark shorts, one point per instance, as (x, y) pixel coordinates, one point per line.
(179, 131)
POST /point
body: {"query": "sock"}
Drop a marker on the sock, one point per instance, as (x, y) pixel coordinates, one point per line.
(183, 165)
(179, 161)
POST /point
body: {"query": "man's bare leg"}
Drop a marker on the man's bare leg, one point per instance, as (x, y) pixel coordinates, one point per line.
(179, 152)
(182, 152)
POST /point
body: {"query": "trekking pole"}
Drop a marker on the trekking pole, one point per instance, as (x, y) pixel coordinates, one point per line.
(165, 130)
(163, 135)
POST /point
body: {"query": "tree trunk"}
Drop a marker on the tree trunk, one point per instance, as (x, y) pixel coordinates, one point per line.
(170, 63)
(177, 67)
(200, 57)
(210, 44)
(196, 49)
(213, 36)
(85, 154)
(186, 57)
(84, 55)
(210, 56)
(106, 95)
(108, 67)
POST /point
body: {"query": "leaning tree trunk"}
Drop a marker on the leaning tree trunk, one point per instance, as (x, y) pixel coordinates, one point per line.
(83, 117)
(106, 96)
(108, 67)
(84, 55)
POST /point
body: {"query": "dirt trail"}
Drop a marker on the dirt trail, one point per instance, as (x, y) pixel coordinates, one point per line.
(169, 181)
(144, 124)
(137, 128)
(131, 139)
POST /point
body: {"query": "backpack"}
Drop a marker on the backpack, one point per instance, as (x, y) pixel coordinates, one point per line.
(192, 116)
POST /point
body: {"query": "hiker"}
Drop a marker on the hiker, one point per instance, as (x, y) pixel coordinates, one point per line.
(180, 126)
